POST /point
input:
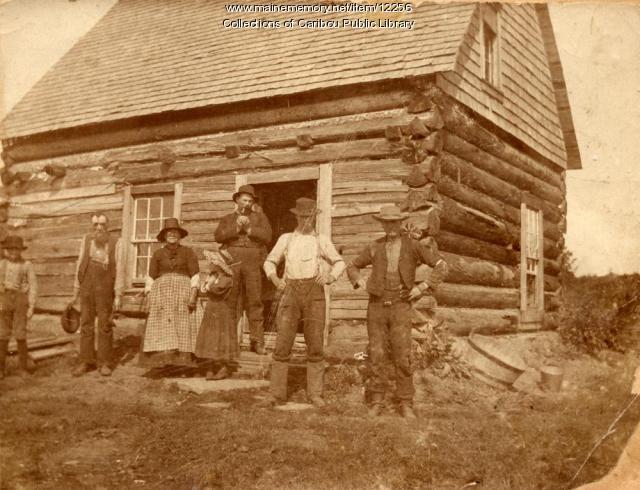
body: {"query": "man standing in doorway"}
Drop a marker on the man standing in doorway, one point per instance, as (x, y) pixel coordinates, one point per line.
(311, 261)
(246, 233)
(391, 287)
(99, 285)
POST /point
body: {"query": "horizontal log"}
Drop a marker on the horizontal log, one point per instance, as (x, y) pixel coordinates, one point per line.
(346, 210)
(56, 195)
(475, 177)
(470, 296)
(45, 250)
(330, 129)
(469, 270)
(484, 160)
(463, 321)
(461, 220)
(476, 199)
(81, 219)
(268, 159)
(471, 247)
(66, 207)
(468, 128)
(189, 216)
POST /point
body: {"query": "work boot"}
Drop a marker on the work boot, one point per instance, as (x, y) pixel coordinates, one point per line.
(222, 373)
(315, 382)
(377, 404)
(4, 348)
(257, 347)
(23, 357)
(105, 370)
(278, 382)
(406, 410)
(81, 369)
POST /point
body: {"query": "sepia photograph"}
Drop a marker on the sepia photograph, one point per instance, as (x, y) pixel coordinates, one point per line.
(319, 244)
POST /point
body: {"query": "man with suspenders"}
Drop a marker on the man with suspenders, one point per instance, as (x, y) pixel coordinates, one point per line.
(311, 262)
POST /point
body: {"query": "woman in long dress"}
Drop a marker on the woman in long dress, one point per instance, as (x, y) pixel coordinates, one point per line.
(172, 284)
(217, 341)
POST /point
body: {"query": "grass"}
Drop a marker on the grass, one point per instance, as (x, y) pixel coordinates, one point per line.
(130, 432)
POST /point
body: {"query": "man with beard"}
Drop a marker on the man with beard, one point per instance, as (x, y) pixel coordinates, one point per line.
(99, 279)
(392, 289)
(245, 234)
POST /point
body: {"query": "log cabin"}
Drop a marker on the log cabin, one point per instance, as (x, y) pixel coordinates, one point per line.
(160, 110)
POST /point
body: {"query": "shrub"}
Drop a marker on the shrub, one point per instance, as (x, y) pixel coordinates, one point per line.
(600, 313)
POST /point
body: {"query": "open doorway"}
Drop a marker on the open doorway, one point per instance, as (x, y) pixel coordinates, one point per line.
(276, 199)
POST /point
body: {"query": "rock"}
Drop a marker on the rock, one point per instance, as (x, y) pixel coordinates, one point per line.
(201, 385)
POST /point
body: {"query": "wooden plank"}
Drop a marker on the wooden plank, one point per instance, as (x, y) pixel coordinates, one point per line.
(54, 195)
(66, 207)
(161, 188)
(61, 249)
(284, 175)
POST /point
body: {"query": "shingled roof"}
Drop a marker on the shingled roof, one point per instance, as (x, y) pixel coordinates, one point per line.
(154, 56)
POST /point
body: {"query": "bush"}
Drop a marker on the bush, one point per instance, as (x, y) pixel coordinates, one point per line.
(600, 313)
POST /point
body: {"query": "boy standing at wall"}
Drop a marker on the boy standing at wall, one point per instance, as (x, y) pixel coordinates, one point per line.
(18, 293)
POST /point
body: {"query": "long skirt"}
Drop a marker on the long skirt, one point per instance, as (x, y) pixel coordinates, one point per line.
(170, 324)
(218, 333)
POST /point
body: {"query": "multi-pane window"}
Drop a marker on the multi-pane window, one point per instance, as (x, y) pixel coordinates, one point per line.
(149, 213)
(533, 255)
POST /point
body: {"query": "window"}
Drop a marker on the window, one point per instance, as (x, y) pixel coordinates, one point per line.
(531, 264)
(145, 209)
(149, 213)
(490, 44)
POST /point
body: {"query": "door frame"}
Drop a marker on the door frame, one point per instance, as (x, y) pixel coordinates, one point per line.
(323, 174)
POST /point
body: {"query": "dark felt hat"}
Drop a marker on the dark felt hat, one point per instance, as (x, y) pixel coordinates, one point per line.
(13, 242)
(390, 213)
(70, 319)
(171, 224)
(305, 207)
(245, 189)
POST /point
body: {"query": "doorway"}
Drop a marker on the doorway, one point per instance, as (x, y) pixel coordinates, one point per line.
(276, 192)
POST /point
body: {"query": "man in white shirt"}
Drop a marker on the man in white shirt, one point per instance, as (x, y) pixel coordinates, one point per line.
(311, 262)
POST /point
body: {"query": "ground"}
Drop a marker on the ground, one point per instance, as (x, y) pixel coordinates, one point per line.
(130, 431)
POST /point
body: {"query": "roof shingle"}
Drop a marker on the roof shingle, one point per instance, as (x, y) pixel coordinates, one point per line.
(150, 56)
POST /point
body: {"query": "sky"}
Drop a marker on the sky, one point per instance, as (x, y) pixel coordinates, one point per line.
(599, 47)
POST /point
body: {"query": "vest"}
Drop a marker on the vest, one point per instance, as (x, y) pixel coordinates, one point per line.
(406, 266)
(110, 273)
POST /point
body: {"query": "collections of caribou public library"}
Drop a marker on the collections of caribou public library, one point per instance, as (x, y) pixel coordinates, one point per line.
(319, 23)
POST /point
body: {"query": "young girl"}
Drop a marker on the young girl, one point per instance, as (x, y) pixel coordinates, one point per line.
(218, 336)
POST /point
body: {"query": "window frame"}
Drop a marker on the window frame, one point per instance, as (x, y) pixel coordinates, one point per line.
(131, 193)
(530, 212)
(490, 21)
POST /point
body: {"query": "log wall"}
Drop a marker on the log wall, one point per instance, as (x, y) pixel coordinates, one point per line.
(473, 180)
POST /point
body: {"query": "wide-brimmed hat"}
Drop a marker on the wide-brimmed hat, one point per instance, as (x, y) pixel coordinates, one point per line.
(70, 319)
(13, 242)
(305, 207)
(245, 189)
(390, 212)
(171, 224)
